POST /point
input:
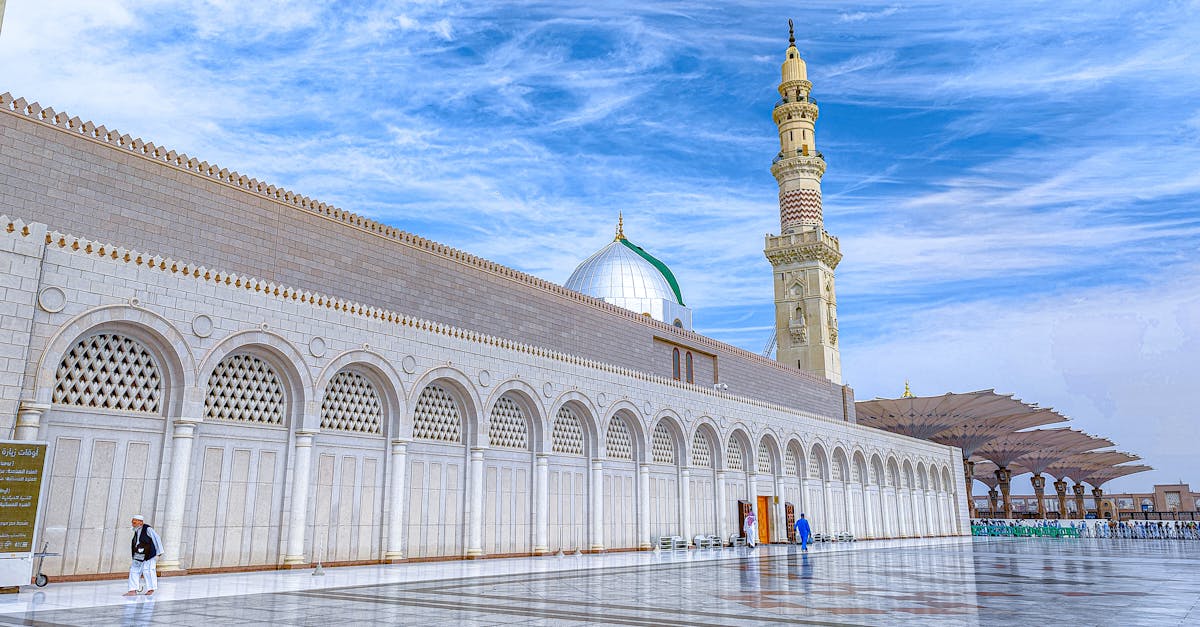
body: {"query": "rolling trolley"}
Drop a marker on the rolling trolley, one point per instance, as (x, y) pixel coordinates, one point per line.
(39, 579)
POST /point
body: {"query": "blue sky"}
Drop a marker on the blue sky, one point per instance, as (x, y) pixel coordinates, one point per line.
(1015, 185)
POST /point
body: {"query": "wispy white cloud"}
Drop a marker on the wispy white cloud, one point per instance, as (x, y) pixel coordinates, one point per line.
(997, 163)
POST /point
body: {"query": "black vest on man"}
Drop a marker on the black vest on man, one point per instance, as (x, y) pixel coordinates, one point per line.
(143, 544)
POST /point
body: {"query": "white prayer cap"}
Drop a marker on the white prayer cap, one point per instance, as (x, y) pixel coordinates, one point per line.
(140, 517)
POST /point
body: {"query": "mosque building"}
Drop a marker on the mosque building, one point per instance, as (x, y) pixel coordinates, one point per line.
(177, 334)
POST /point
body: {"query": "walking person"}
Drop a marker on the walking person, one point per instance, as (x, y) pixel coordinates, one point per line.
(146, 547)
(750, 526)
(803, 531)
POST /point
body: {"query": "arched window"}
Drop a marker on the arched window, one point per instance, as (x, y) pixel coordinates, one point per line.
(351, 404)
(508, 428)
(109, 371)
(688, 365)
(618, 441)
(675, 363)
(244, 388)
(436, 417)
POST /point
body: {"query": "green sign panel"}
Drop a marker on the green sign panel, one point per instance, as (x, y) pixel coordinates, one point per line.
(21, 467)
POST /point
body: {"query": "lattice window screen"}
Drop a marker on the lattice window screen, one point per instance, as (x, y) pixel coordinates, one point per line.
(351, 404)
(618, 441)
(109, 371)
(734, 453)
(508, 427)
(876, 474)
(437, 417)
(837, 469)
(856, 474)
(764, 459)
(568, 433)
(791, 465)
(243, 388)
(662, 449)
(701, 450)
(814, 467)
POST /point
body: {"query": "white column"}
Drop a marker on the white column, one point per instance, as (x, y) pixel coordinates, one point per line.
(848, 500)
(781, 530)
(597, 506)
(800, 502)
(827, 494)
(541, 505)
(29, 420)
(301, 477)
(399, 503)
(644, 505)
(177, 486)
(475, 513)
(722, 508)
(685, 509)
(752, 494)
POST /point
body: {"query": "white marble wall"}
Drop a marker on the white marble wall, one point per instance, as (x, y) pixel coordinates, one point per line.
(229, 494)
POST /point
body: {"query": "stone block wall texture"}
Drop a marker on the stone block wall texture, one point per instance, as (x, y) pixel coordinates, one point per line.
(116, 189)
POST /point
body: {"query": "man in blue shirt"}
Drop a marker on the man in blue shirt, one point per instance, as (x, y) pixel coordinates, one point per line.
(803, 531)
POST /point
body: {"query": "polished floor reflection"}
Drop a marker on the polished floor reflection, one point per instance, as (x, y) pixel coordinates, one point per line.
(978, 581)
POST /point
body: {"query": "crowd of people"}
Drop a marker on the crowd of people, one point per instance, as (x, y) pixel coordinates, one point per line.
(1129, 529)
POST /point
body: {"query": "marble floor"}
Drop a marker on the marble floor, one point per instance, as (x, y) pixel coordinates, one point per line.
(958, 581)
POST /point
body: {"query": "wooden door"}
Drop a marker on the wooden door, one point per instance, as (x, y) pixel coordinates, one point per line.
(789, 512)
(764, 520)
(744, 510)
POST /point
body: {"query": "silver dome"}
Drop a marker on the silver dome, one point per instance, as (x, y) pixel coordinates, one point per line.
(615, 271)
(617, 274)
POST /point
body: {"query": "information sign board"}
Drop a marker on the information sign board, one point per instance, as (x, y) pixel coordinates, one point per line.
(21, 467)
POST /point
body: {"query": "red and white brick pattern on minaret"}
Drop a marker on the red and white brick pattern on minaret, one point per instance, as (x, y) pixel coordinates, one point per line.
(799, 207)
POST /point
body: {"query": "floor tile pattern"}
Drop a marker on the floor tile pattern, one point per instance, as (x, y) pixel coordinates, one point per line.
(981, 581)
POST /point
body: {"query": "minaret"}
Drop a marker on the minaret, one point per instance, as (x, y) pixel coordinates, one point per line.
(803, 254)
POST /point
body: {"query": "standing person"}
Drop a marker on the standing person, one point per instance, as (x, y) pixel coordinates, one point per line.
(146, 547)
(750, 526)
(803, 531)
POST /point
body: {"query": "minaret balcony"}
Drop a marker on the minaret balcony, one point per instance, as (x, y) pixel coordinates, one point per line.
(806, 99)
(799, 153)
(786, 166)
(803, 246)
(805, 109)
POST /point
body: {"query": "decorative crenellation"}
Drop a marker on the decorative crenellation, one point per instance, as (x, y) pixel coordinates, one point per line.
(109, 371)
(351, 404)
(617, 441)
(662, 449)
(78, 245)
(158, 154)
(803, 246)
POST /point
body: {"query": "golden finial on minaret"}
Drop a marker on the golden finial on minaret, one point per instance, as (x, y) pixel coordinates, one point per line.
(620, 227)
(907, 391)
